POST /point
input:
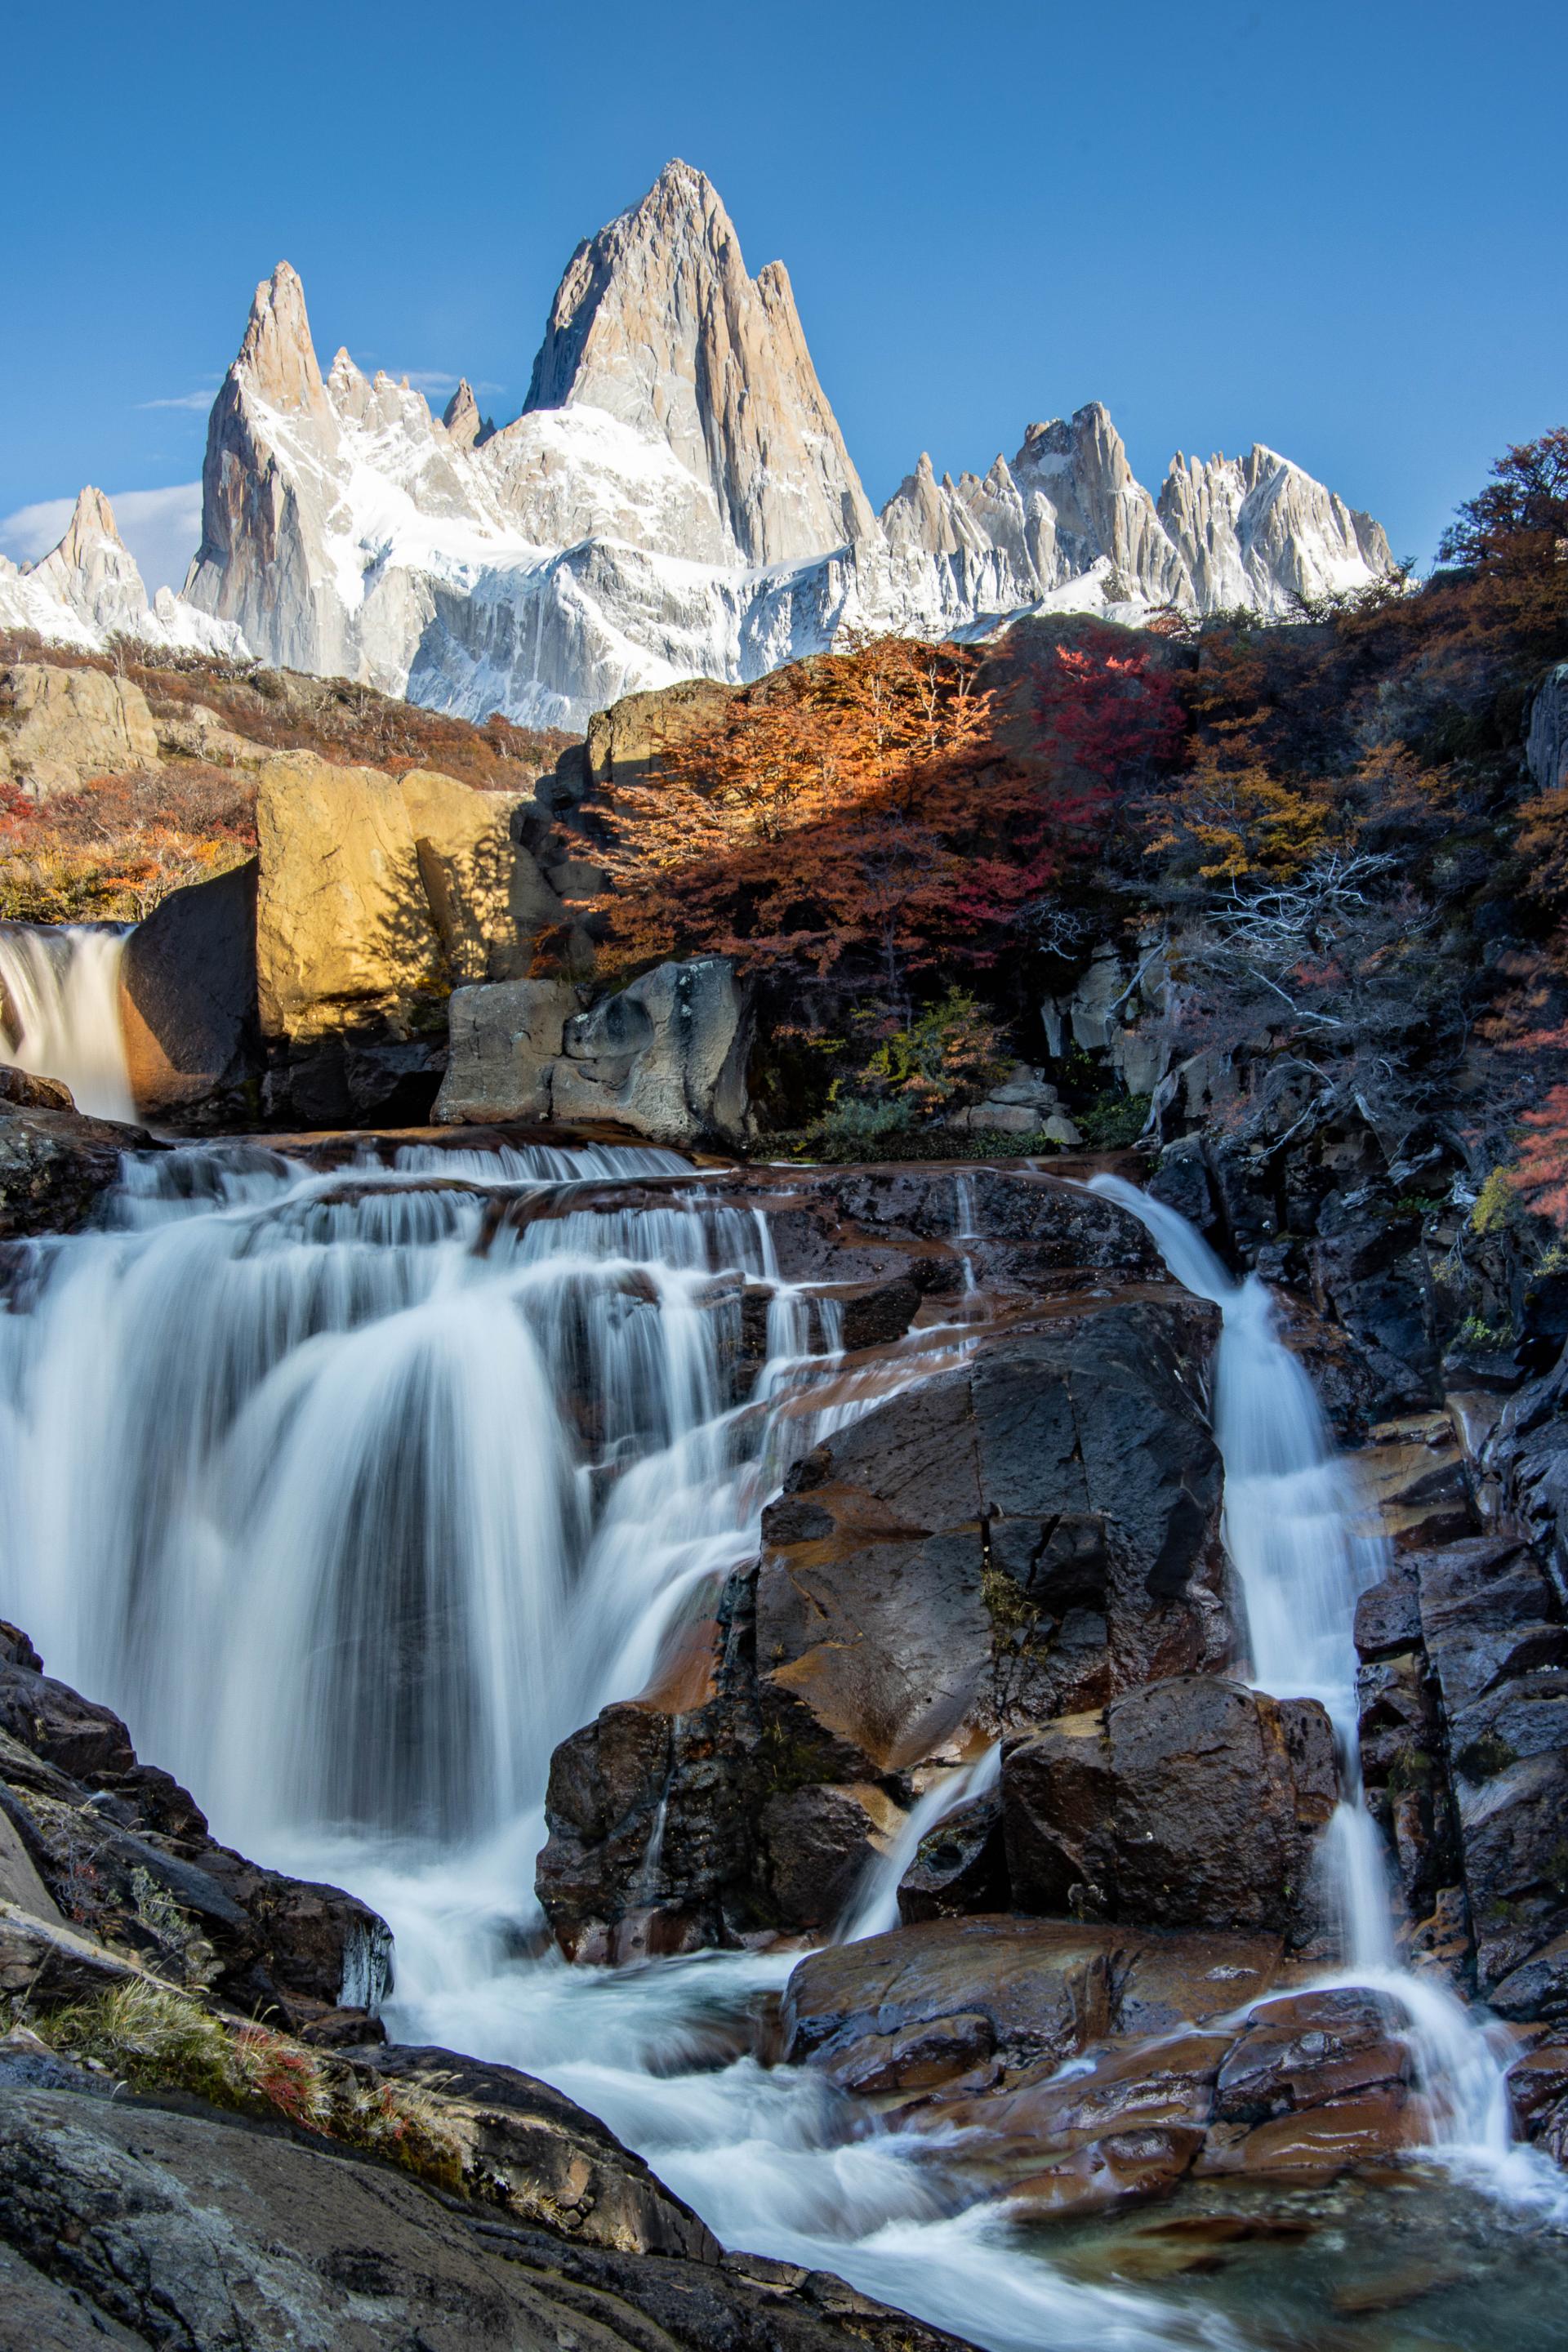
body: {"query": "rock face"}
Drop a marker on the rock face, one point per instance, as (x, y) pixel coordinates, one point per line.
(60, 726)
(656, 323)
(1030, 1531)
(376, 893)
(1193, 1802)
(666, 1056)
(54, 1164)
(1464, 1693)
(124, 1856)
(128, 2226)
(188, 1003)
(676, 500)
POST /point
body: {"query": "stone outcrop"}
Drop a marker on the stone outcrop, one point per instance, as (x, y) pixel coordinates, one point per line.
(665, 1056)
(189, 1003)
(376, 893)
(54, 1164)
(125, 1856)
(1031, 1531)
(128, 2226)
(1190, 1802)
(1187, 2061)
(1464, 1695)
(60, 726)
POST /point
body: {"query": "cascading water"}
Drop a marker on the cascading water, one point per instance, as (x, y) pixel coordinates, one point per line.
(1295, 1533)
(59, 1011)
(356, 1490)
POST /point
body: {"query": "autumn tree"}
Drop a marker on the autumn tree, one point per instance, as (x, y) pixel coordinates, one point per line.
(1520, 518)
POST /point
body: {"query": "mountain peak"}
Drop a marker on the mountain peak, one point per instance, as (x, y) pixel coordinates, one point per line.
(277, 353)
(656, 321)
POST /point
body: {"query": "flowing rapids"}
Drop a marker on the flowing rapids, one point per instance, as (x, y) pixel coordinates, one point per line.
(356, 1491)
(59, 1011)
(1297, 1537)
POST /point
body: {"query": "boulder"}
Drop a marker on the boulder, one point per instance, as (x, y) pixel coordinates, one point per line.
(60, 726)
(504, 1042)
(666, 1056)
(55, 1164)
(376, 893)
(959, 1866)
(625, 743)
(124, 1856)
(200, 2230)
(188, 1001)
(1192, 1801)
(1039, 1522)
(1047, 1989)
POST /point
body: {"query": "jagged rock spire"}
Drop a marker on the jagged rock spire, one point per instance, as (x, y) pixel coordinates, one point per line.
(277, 355)
(461, 415)
(656, 321)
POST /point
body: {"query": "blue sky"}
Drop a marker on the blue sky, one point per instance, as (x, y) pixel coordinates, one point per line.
(1336, 228)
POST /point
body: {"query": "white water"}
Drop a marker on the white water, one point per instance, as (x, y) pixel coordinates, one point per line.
(1291, 1517)
(59, 1011)
(290, 1474)
(876, 1906)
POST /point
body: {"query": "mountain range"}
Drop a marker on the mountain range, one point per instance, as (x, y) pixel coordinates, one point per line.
(675, 499)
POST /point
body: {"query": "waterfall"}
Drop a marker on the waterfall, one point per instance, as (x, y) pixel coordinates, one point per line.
(874, 1909)
(1290, 1527)
(59, 1011)
(356, 1490)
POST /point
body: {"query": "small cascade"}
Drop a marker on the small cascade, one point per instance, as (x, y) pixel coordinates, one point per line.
(876, 1906)
(59, 1011)
(1292, 1522)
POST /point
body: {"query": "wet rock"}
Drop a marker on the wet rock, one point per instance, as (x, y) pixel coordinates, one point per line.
(169, 2226)
(1322, 2142)
(1129, 2167)
(1041, 1518)
(1307, 2050)
(20, 1090)
(1032, 1529)
(1047, 1988)
(1497, 1652)
(125, 1855)
(1538, 2094)
(818, 1842)
(916, 2057)
(1194, 1802)
(54, 1165)
(959, 1866)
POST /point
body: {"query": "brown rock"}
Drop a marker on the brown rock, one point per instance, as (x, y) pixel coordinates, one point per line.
(1132, 2168)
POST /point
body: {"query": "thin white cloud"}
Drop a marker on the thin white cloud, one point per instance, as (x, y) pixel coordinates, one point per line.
(198, 400)
(161, 528)
(438, 380)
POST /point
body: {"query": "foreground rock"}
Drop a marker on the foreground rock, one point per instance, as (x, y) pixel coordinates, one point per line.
(1191, 1802)
(124, 1854)
(1186, 2061)
(129, 2226)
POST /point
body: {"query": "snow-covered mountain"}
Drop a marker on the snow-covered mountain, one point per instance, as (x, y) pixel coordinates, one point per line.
(676, 499)
(87, 589)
